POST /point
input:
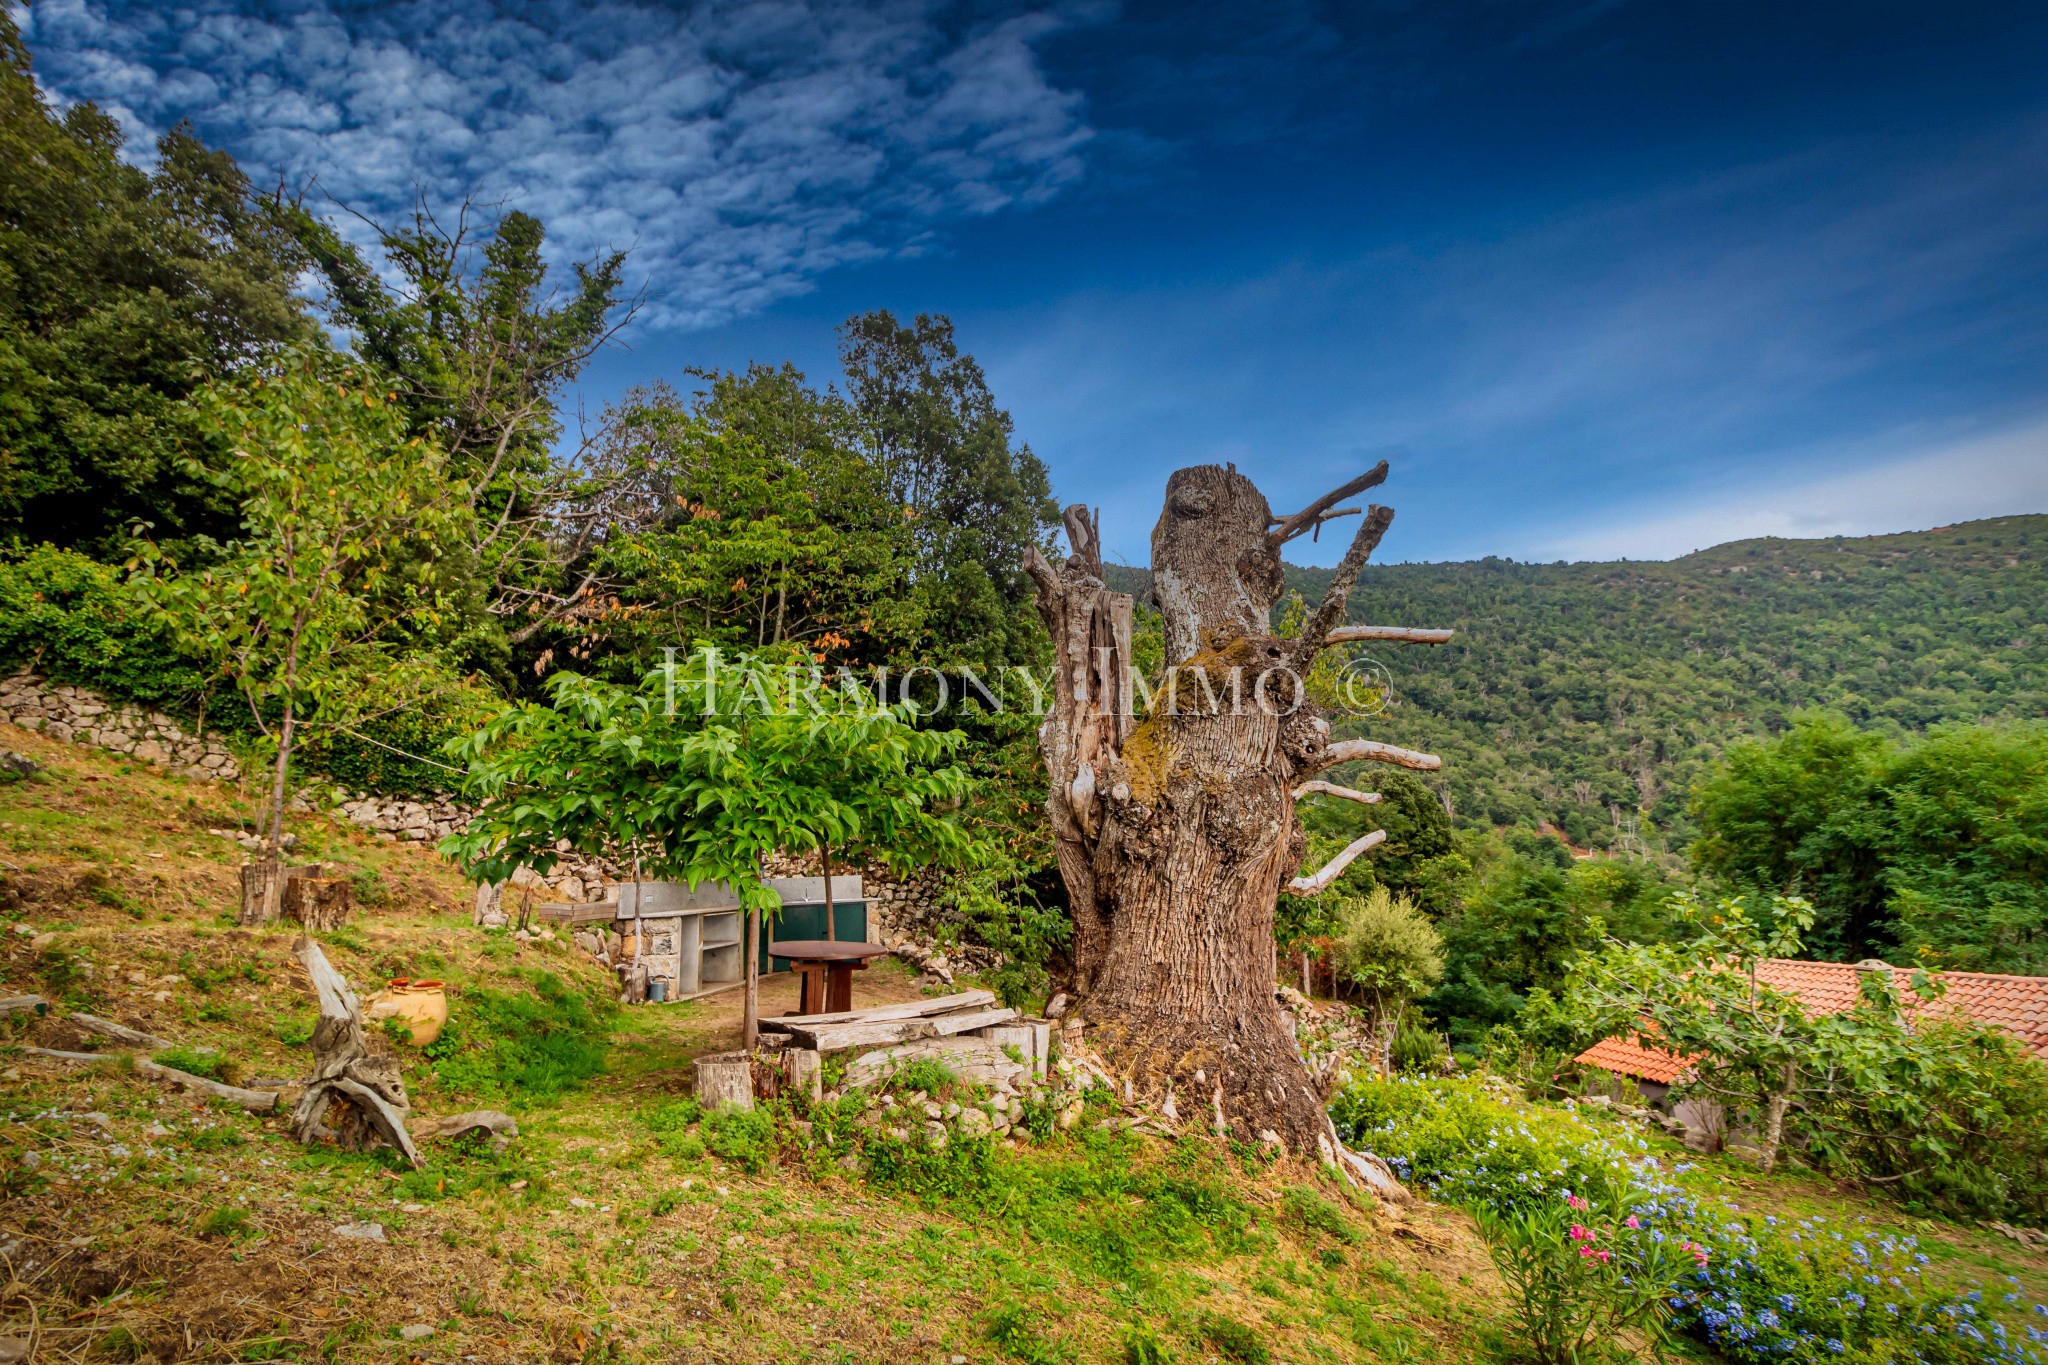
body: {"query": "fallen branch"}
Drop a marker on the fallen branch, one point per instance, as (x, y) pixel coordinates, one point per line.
(55, 1055)
(1309, 886)
(1411, 634)
(255, 1101)
(22, 1004)
(92, 1023)
(1352, 750)
(1332, 789)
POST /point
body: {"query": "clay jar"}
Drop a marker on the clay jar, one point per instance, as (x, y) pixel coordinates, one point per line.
(422, 1006)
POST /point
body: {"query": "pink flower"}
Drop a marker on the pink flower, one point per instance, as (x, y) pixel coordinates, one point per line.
(1581, 1234)
(1631, 1222)
(1573, 1201)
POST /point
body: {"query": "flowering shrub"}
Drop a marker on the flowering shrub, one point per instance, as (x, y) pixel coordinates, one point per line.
(1582, 1271)
(1452, 1139)
(1756, 1288)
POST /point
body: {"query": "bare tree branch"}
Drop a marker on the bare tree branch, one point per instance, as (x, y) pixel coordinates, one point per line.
(1352, 750)
(1315, 632)
(1318, 512)
(1309, 886)
(1332, 789)
(1410, 634)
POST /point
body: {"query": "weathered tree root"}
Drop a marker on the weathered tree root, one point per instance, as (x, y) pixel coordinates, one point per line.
(353, 1099)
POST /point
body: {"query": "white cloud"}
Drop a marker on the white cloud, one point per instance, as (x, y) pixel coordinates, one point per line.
(737, 149)
(1950, 481)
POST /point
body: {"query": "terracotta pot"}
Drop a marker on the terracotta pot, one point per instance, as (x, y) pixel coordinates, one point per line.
(421, 1006)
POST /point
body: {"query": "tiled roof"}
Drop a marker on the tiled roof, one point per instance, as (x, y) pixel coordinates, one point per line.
(1628, 1057)
(2017, 1004)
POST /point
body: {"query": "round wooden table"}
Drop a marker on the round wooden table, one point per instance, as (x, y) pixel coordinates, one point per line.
(827, 970)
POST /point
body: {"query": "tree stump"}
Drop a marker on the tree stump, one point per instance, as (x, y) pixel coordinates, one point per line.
(725, 1078)
(354, 1100)
(256, 879)
(321, 904)
(803, 1073)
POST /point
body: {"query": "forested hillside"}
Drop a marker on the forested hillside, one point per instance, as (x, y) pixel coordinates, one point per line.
(1585, 693)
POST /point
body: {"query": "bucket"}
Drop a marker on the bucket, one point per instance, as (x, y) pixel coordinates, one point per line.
(657, 990)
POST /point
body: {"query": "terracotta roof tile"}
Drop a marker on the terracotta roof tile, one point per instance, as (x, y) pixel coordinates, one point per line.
(1628, 1057)
(2017, 1004)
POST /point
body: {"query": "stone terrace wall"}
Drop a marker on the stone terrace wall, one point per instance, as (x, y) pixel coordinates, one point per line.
(77, 714)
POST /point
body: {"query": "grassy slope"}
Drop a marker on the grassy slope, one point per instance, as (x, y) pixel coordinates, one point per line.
(589, 1240)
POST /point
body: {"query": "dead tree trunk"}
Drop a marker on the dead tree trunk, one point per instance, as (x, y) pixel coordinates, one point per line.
(1176, 833)
(353, 1099)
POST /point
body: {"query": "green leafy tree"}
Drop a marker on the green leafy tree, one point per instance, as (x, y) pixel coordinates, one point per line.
(121, 293)
(703, 771)
(926, 419)
(1753, 1047)
(1791, 815)
(481, 345)
(744, 519)
(300, 610)
(1936, 844)
(1965, 847)
(1392, 955)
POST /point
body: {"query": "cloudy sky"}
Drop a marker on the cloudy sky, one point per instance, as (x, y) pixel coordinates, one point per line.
(1600, 278)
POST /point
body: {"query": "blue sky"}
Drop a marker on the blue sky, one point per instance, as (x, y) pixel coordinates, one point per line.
(1598, 278)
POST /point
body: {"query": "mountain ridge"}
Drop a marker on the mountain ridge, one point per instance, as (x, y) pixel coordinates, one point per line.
(1590, 694)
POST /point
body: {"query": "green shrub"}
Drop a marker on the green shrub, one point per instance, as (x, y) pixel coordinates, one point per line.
(1233, 1340)
(76, 621)
(1306, 1208)
(534, 1045)
(1418, 1049)
(1015, 1331)
(1142, 1346)
(928, 1074)
(229, 1223)
(1458, 1143)
(1582, 1272)
(195, 1061)
(745, 1137)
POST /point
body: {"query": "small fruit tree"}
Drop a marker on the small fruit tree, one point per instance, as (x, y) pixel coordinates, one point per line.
(709, 766)
(307, 612)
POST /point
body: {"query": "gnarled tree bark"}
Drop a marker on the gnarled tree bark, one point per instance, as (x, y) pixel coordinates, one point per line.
(1177, 832)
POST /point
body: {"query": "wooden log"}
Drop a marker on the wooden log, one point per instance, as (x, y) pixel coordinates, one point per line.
(948, 1024)
(23, 1004)
(255, 1101)
(912, 1009)
(321, 904)
(461, 1125)
(725, 1078)
(55, 1055)
(107, 1028)
(353, 1098)
(839, 1037)
(968, 1057)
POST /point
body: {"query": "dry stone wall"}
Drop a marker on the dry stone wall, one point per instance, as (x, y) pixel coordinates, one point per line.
(76, 713)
